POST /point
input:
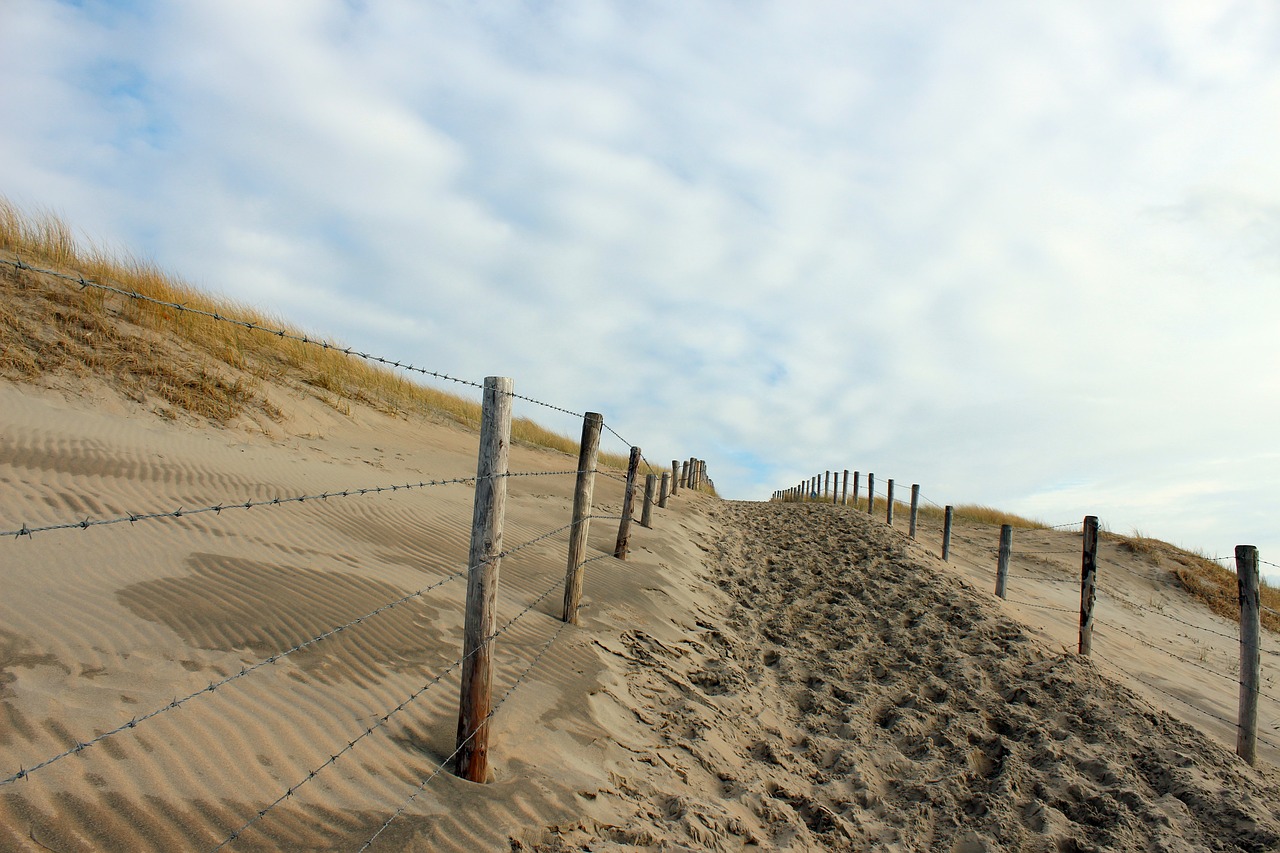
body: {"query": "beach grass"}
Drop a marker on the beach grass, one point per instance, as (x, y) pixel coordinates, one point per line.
(85, 330)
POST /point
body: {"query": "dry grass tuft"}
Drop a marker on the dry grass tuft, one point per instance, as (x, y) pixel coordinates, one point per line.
(193, 363)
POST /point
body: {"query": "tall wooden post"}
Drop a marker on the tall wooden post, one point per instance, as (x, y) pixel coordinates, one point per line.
(684, 475)
(1250, 655)
(854, 497)
(948, 515)
(588, 455)
(844, 494)
(915, 508)
(826, 486)
(665, 490)
(628, 498)
(1002, 564)
(675, 477)
(835, 487)
(871, 494)
(888, 517)
(475, 700)
(646, 513)
(1088, 582)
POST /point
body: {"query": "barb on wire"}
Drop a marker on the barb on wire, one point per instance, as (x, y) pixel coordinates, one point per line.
(213, 686)
(440, 767)
(381, 721)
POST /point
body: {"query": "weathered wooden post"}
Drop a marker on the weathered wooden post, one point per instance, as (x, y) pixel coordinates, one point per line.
(1002, 564)
(646, 513)
(835, 487)
(628, 498)
(588, 455)
(888, 516)
(854, 496)
(1088, 582)
(844, 494)
(665, 490)
(675, 477)
(948, 515)
(684, 475)
(475, 699)
(826, 486)
(871, 494)
(915, 508)
(1250, 655)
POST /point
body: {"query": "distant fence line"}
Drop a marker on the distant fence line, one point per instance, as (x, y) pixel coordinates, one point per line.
(831, 488)
(476, 708)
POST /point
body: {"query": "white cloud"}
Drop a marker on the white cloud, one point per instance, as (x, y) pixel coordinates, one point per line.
(1000, 246)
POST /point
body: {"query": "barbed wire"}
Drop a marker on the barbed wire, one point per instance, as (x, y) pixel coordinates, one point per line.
(382, 721)
(1159, 689)
(279, 333)
(1040, 606)
(85, 524)
(1120, 599)
(1151, 645)
(484, 722)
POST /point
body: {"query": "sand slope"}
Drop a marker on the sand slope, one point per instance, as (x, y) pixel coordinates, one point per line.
(755, 677)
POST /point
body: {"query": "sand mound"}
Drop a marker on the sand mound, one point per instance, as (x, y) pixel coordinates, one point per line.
(845, 695)
(754, 677)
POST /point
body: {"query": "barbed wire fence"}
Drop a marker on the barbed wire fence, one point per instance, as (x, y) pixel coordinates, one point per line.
(486, 484)
(1036, 563)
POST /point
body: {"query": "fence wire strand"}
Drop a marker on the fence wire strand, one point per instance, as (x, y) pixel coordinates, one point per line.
(217, 509)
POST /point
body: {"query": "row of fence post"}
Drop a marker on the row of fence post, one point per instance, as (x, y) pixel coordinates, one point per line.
(828, 487)
(1248, 589)
(485, 553)
(831, 487)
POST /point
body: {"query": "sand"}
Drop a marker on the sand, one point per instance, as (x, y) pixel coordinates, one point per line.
(755, 676)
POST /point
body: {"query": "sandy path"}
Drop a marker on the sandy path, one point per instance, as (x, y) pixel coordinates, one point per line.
(843, 694)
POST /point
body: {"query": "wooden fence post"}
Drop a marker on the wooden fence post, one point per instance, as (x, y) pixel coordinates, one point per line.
(826, 486)
(1088, 582)
(915, 508)
(646, 513)
(844, 494)
(684, 475)
(856, 478)
(888, 517)
(665, 490)
(835, 487)
(588, 455)
(675, 477)
(1250, 656)
(628, 498)
(948, 515)
(871, 494)
(1002, 565)
(475, 699)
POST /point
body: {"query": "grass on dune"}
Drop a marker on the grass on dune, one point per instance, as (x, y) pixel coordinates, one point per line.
(49, 325)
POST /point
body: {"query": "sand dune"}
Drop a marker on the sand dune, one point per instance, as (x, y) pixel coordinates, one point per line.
(754, 677)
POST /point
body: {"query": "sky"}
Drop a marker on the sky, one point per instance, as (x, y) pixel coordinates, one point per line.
(1023, 254)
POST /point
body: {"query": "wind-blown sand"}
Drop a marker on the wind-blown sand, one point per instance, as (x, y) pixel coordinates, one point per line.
(754, 677)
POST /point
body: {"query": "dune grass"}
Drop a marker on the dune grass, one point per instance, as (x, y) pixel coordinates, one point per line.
(49, 325)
